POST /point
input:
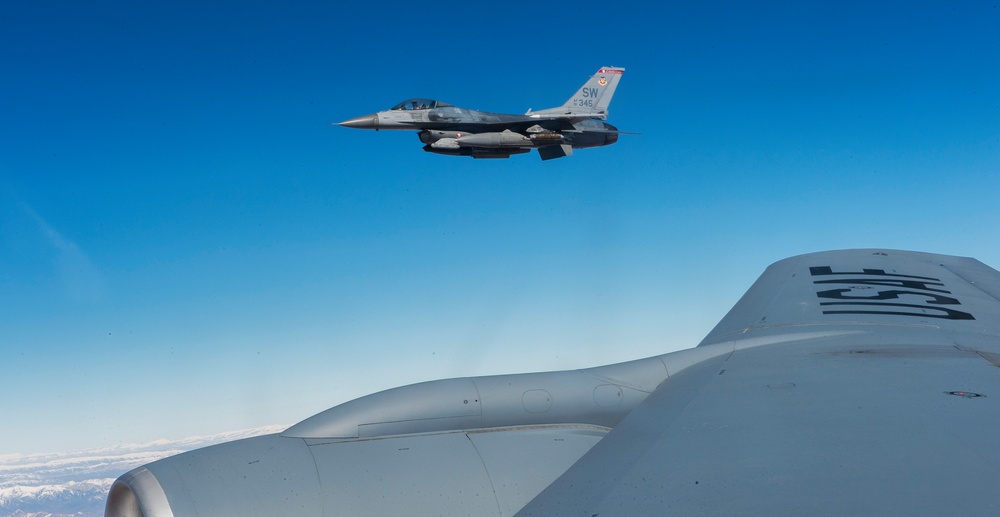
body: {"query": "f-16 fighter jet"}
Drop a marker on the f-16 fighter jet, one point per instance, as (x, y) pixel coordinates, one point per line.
(555, 132)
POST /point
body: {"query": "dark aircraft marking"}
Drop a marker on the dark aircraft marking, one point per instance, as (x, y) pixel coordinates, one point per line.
(904, 286)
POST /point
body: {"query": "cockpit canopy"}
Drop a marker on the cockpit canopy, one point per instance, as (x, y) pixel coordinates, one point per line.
(419, 104)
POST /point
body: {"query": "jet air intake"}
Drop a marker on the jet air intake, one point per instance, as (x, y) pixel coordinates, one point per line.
(430, 136)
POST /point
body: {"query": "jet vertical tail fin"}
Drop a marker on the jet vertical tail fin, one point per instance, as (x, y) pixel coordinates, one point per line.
(591, 100)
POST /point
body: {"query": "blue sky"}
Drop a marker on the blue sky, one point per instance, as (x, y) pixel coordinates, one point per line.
(187, 246)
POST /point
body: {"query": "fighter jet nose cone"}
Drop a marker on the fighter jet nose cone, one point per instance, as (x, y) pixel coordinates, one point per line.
(363, 122)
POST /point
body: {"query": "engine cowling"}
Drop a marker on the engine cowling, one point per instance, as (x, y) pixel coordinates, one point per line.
(477, 472)
(470, 446)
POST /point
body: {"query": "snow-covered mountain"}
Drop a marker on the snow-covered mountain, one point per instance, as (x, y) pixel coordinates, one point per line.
(76, 484)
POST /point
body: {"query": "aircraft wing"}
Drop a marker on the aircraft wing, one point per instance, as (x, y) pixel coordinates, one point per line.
(843, 382)
(862, 381)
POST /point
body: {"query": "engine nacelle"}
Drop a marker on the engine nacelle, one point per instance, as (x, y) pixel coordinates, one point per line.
(470, 446)
(491, 472)
(487, 445)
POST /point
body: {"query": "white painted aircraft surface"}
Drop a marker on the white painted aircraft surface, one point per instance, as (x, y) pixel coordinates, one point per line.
(843, 382)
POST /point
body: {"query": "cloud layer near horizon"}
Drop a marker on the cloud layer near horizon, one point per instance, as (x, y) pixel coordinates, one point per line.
(76, 483)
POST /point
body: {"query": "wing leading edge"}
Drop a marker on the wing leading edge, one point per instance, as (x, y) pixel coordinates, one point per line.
(862, 381)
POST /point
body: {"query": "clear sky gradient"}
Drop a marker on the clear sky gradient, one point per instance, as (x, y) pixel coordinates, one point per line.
(187, 246)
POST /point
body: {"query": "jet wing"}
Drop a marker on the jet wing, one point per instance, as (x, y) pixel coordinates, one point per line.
(863, 381)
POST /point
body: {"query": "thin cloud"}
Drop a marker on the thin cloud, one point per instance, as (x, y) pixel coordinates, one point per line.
(81, 279)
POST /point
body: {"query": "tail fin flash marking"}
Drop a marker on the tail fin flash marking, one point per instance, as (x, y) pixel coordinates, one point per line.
(592, 99)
